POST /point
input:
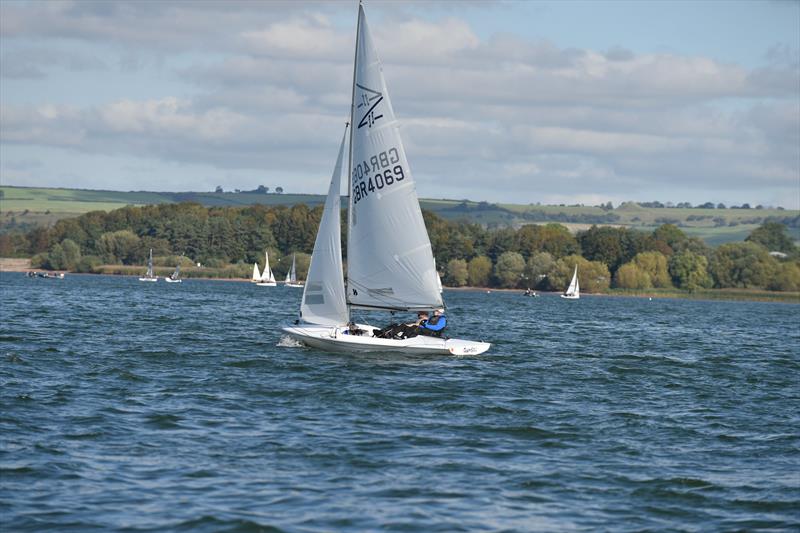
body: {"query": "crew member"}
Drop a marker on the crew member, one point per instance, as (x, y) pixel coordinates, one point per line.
(434, 326)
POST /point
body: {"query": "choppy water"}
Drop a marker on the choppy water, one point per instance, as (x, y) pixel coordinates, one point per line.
(155, 407)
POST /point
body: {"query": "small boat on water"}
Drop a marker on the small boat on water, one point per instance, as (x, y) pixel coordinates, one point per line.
(390, 264)
(175, 277)
(46, 275)
(267, 277)
(573, 292)
(291, 276)
(149, 276)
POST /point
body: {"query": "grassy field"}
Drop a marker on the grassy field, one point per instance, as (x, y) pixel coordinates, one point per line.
(29, 206)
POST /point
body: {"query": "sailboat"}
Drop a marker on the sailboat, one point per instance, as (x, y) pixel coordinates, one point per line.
(267, 278)
(390, 260)
(175, 277)
(573, 292)
(149, 274)
(291, 276)
(256, 274)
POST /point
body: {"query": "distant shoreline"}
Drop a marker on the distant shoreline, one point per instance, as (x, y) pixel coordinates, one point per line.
(744, 295)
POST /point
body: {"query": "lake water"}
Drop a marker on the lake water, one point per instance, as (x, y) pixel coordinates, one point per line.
(133, 406)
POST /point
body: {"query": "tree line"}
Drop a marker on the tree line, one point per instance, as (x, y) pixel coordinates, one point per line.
(536, 256)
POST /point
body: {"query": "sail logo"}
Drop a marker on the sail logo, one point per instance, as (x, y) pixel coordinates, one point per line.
(368, 99)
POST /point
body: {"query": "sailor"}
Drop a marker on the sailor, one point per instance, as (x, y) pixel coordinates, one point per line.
(402, 331)
(353, 329)
(434, 326)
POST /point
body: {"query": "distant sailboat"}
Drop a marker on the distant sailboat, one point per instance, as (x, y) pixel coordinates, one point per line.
(149, 274)
(291, 276)
(256, 274)
(573, 292)
(175, 277)
(267, 277)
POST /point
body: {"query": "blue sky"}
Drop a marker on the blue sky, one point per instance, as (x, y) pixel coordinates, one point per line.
(521, 102)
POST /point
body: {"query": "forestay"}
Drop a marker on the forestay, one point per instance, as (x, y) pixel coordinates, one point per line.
(323, 295)
(390, 261)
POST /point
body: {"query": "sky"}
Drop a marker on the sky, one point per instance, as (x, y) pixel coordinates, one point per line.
(510, 101)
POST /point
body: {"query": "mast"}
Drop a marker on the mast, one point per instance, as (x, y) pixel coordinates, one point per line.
(350, 144)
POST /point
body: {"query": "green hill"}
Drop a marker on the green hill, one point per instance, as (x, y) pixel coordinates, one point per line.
(24, 207)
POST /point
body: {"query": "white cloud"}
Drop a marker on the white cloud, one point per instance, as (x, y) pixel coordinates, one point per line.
(267, 88)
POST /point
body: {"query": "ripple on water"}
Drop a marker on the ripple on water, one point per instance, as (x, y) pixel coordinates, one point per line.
(152, 409)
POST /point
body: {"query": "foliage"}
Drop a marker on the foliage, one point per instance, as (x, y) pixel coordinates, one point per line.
(632, 276)
(509, 269)
(593, 276)
(742, 265)
(554, 239)
(613, 246)
(122, 246)
(479, 270)
(689, 271)
(655, 265)
(774, 237)
(540, 256)
(539, 266)
(786, 278)
(88, 264)
(670, 234)
(72, 254)
(457, 273)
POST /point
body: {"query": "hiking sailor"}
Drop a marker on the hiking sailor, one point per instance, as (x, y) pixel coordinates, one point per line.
(434, 326)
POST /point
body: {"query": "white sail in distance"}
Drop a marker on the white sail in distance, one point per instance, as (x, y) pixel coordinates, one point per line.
(574, 286)
(256, 273)
(323, 294)
(150, 265)
(267, 276)
(291, 276)
(389, 255)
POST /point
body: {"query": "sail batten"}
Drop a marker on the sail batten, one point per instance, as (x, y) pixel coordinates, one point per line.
(389, 251)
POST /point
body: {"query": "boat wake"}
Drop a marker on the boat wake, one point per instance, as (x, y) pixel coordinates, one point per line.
(288, 342)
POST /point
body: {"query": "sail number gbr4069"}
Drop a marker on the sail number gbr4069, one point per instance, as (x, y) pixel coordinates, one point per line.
(382, 170)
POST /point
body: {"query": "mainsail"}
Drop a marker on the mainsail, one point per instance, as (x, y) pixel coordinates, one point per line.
(574, 286)
(389, 257)
(323, 295)
(267, 276)
(291, 275)
(149, 273)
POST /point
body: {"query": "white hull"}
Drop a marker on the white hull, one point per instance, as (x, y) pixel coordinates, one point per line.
(289, 284)
(333, 338)
(148, 279)
(169, 280)
(267, 284)
(570, 296)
